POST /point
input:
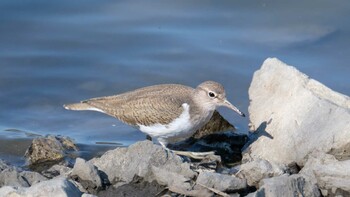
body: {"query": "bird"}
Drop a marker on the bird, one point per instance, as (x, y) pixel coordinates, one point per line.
(168, 112)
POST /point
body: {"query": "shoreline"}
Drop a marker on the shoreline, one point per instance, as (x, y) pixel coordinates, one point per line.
(12, 149)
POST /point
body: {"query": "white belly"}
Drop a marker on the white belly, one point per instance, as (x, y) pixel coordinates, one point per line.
(179, 129)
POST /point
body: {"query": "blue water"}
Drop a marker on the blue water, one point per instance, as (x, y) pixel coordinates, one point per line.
(57, 52)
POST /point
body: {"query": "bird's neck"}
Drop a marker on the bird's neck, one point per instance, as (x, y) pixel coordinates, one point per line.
(202, 110)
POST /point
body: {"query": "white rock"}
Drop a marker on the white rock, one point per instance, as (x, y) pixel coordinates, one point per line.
(259, 169)
(300, 114)
(59, 187)
(294, 185)
(8, 191)
(332, 176)
(12, 177)
(57, 171)
(221, 182)
(32, 177)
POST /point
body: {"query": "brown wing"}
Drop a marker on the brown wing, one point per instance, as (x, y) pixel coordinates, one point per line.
(146, 106)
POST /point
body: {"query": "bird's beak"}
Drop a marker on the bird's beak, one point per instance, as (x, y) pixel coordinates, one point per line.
(226, 103)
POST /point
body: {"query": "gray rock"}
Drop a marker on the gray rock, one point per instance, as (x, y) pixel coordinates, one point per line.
(48, 149)
(148, 161)
(87, 175)
(3, 165)
(56, 187)
(292, 115)
(259, 169)
(294, 185)
(332, 176)
(138, 187)
(32, 177)
(57, 170)
(11, 177)
(221, 182)
(316, 159)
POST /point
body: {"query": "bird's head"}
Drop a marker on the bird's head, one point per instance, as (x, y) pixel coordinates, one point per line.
(212, 95)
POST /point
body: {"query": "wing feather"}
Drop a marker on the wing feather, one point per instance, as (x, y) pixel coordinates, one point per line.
(144, 106)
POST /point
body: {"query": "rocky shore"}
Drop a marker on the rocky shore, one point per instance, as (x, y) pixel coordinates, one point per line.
(299, 145)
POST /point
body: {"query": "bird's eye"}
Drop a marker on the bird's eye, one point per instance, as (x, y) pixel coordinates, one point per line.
(211, 94)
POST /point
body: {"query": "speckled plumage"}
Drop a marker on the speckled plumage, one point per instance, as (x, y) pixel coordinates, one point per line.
(146, 106)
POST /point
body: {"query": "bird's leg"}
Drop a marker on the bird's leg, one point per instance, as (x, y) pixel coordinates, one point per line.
(167, 150)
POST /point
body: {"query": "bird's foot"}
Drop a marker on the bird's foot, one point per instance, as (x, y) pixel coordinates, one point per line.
(194, 155)
(198, 155)
(167, 152)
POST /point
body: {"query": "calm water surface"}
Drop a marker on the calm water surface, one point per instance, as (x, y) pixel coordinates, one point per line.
(56, 52)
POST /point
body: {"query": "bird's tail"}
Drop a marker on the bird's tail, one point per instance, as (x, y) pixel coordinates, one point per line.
(82, 107)
(77, 106)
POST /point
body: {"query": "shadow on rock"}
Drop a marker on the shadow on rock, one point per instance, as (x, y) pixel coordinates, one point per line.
(259, 132)
(228, 145)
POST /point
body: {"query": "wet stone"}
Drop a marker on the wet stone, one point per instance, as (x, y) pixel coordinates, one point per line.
(49, 150)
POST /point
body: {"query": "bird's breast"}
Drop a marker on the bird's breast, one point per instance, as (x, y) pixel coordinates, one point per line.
(180, 127)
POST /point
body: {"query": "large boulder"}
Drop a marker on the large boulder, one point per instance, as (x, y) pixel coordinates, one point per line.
(292, 115)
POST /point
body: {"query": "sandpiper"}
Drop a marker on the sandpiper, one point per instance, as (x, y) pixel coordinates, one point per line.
(168, 112)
